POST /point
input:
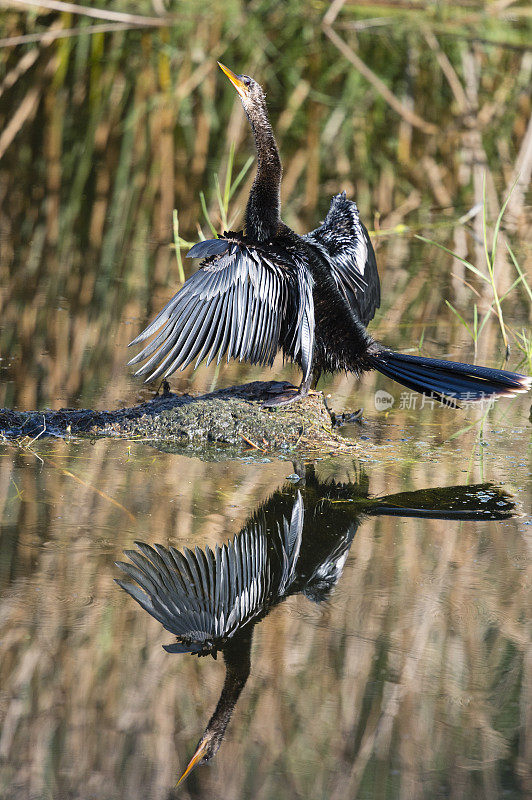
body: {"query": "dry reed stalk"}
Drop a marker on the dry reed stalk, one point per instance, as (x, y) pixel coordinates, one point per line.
(521, 177)
(88, 11)
(409, 116)
(24, 112)
(23, 65)
(47, 37)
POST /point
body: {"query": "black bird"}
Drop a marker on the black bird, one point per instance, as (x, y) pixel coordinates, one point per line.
(296, 542)
(310, 296)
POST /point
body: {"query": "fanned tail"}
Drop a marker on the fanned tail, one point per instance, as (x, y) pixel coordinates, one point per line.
(451, 382)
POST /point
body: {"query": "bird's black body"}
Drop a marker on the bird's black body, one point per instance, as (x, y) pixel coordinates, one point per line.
(296, 542)
(309, 296)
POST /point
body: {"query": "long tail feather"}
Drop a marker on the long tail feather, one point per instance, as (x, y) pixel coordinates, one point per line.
(450, 381)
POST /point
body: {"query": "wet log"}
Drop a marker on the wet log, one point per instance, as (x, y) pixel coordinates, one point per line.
(233, 416)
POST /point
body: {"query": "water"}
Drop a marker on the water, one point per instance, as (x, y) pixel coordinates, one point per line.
(411, 679)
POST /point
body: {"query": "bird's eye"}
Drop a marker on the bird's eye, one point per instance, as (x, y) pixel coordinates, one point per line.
(246, 81)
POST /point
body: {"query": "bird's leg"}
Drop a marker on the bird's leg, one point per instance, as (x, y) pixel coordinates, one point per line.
(289, 396)
(165, 387)
(316, 375)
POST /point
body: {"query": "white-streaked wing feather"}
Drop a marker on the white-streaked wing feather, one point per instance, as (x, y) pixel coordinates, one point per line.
(235, 305)
(204, 597)
(344, 243)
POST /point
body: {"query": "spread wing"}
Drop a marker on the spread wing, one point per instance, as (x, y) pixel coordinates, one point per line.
(204, 597)
(345, 244)
(243, 302)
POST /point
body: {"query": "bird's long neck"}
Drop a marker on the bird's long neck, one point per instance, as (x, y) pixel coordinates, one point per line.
(263, 212)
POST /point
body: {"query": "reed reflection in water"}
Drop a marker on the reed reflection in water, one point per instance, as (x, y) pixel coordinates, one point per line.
(410, 680)
(212, 601)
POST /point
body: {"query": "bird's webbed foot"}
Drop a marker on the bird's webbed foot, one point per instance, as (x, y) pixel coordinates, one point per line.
(165, 386)
(288, 395)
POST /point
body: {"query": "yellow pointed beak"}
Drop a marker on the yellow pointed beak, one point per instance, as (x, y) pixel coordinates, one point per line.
(194, 761)
(235, 80)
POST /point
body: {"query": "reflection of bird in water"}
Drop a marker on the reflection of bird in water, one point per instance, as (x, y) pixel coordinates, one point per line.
(211, 600)
(310, 296)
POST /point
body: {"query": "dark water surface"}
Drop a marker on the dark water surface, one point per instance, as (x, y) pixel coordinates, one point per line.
(412, 678)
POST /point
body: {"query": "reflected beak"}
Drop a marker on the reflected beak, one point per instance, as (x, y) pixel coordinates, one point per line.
(235, 80)
(194, 761)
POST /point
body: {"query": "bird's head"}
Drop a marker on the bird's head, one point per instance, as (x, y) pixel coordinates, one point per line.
(237, 657)
(207, 748)
(250, 91)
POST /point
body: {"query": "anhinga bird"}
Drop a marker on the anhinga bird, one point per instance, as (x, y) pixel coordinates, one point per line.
(296, 542)
(310, 296)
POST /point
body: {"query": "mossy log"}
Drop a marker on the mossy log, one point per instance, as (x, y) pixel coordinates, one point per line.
(232, 416)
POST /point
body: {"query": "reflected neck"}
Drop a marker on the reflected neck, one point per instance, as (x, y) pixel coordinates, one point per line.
(263, 212)
(237, 657)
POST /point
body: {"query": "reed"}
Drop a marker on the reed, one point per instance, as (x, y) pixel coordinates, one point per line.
(476, 327)
(109, 131)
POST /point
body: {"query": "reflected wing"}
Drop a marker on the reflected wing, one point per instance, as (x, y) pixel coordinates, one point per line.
(236, 304)
(345, 244)
(328, 570)
(204, 597)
